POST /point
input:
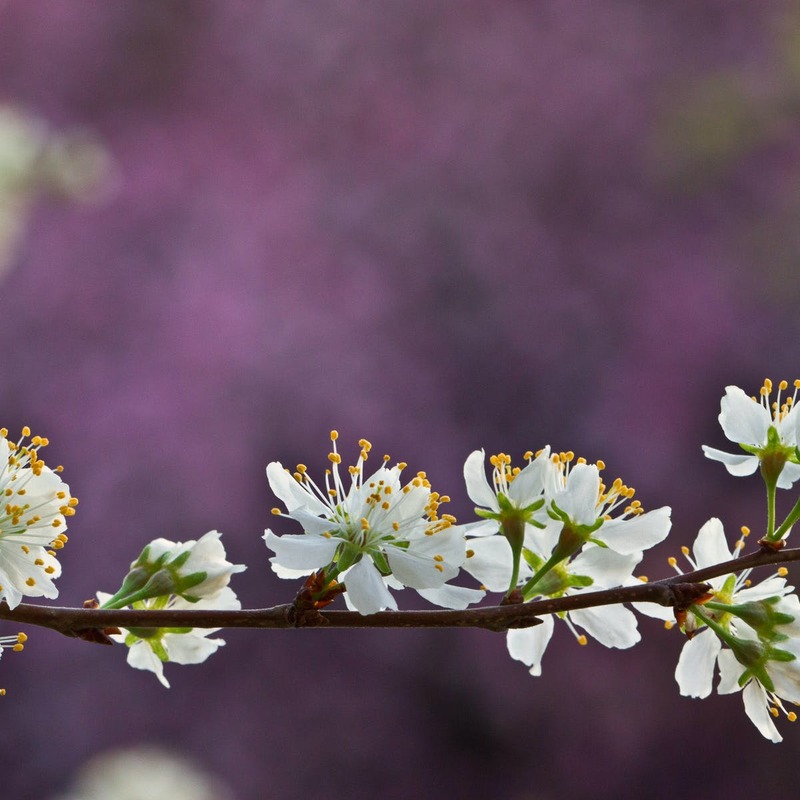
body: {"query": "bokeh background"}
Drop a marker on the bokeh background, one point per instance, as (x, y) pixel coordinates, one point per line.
(438, 225)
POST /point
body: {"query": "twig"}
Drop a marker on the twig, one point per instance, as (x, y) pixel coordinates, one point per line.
(678, 591)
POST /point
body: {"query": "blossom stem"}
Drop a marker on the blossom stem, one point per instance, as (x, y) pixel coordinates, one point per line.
(771, 489)
(551, 562)
(720, 630)
(790, 520)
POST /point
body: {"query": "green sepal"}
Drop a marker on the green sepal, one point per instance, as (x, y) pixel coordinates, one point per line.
(753, 656)
(381, 562)
(180, 560)
(349, 555)
(761, 616)
(187, 581)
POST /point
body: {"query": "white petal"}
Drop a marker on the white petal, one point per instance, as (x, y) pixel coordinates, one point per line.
(222, 600)
(491, 562)
(738, 465)
(612, 626)
(711, 547)
(604, 566)
(637, 533)
(744, 420)
(448, 543)
(484, 527)
(141, 656)
(789, 474)
(579, 499)
(528, 644)
(786, 674)
(730, 670)
(290, 492)
(449, 596)
(366, 589)
(787, 427)
(655, 610)
(756, 705)
(190, 648)
(302, 551)
(542, 541)
(528, 485)
(416, 570)
(771, 587)
(311, 523)
(695, 670)
(478, 488)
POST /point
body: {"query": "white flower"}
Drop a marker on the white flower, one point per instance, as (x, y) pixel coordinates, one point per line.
(576, 493)
(522, 488)
(375, 532)
(150, 648)
(748, 422)
(592, 569)
(701, 653)
(36, 503)
(571, 543)
(615, 626)
(762, 704)
(198, 568)
(145, 771)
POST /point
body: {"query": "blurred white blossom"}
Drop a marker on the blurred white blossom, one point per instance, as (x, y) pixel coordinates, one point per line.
(144, 773)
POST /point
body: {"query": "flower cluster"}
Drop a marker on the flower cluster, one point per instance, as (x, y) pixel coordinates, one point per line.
(177, 576)
(369, 537)
(555, 529)
(747, 631)
(550, 530)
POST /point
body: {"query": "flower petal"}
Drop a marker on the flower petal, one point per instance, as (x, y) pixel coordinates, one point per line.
(730, 670)
(743, 420)
(628, 536)
(478, 488)
(528, 644)
(417, 570)
(756, 706)
(491, 562)
(612, 626)
(365, 587)
(738, 465)
(301, 551)
(789, 474)
(695, 670)
(290, 492)
(604, 566)
(579, 499)
(448, 596)
(711, 547)
(190, 648)
(141, 656)
(529, 483)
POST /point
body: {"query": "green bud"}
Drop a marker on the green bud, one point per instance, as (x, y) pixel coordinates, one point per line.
(159, 585)
(762, 617)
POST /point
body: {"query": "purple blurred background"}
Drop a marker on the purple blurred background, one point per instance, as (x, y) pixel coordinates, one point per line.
(439, 226)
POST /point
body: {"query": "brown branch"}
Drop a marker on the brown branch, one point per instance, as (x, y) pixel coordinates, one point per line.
(678, 591)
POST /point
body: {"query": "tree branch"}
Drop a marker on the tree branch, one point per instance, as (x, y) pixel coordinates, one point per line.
(678, 591)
